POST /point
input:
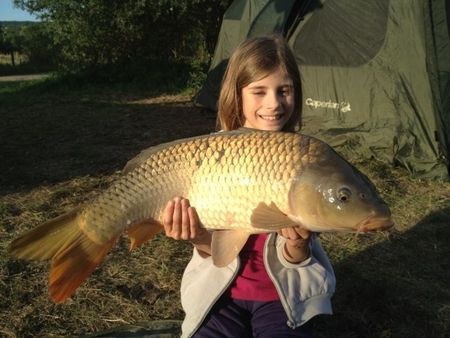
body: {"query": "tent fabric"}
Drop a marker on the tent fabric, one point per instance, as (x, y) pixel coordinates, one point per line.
(334, 40)
(440, 37)
(375, 74)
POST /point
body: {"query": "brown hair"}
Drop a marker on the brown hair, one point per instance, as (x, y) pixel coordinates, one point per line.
(253, 60)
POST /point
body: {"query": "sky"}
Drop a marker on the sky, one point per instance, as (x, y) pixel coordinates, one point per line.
(10, 13)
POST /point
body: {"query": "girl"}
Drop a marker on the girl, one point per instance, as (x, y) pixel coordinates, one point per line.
(280, 280)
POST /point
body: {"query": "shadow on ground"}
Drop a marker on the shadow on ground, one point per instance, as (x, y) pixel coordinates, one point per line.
(49, 140)
(370, 303)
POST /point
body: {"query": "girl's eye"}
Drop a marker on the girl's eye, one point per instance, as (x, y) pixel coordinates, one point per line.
(285, 92)
(258, 93)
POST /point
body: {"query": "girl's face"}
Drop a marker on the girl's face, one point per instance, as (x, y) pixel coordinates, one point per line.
(267, 104)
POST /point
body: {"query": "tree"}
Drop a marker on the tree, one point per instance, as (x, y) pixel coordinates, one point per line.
(38, 45)
(2, 39)
(11, 42)
(94, 33)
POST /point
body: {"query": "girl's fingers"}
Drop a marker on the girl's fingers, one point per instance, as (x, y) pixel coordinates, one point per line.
(289, 233)
(303, 233)
(176, 219)
(295, 233)
(185, 220)
(194, 222)
(168, 217)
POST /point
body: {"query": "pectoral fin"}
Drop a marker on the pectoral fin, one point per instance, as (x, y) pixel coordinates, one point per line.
(141, 232)
(226, 245)
(270, 217)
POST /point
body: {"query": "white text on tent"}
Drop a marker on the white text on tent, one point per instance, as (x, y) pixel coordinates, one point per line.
(343, 106)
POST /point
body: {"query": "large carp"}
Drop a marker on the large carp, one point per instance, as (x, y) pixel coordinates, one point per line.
(241, 183)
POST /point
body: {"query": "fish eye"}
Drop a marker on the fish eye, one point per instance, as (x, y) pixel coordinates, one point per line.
(344, 195)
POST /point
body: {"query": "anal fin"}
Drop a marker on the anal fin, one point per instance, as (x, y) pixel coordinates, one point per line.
(226, 245)
(143, 231)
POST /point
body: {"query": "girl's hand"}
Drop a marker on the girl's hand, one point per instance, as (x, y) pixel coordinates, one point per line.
(181, 222)
(296, 249)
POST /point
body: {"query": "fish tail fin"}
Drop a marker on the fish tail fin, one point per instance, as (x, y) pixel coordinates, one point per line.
(44, 241)
(74, 264)
(74, 255)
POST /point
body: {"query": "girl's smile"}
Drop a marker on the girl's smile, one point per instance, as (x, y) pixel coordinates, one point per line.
(268, 103)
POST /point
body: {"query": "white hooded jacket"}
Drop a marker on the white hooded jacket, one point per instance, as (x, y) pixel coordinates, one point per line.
(305, 289)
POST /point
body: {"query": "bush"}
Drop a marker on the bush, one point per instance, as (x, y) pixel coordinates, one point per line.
(105, 33)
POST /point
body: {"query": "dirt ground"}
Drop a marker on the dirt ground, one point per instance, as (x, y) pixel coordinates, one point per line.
(60, 148)
(53, 138)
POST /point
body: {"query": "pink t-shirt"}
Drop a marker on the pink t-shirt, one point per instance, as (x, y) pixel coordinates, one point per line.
(252, 281)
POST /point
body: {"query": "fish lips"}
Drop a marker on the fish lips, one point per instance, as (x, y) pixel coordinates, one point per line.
(375, 223)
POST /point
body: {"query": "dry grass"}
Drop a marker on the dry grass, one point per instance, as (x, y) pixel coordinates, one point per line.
(62, 148)
(395, 285)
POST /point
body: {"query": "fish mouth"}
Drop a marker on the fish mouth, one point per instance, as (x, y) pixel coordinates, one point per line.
(373, 224)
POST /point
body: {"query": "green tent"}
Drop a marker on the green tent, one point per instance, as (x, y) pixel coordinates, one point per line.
(375, 74)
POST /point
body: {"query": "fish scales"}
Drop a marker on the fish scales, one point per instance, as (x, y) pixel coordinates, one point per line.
(222, 176)
(248, 180)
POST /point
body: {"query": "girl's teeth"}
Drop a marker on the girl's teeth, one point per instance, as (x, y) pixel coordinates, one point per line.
(271, 118)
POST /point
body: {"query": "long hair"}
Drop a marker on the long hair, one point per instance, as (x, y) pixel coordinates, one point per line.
(253, 60)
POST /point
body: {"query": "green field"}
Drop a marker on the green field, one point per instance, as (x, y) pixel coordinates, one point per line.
(62, 143)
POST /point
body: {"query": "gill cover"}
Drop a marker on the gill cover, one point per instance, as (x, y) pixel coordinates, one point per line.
(329, 194)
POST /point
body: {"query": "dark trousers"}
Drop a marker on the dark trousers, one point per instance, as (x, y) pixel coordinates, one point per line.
(232, 318)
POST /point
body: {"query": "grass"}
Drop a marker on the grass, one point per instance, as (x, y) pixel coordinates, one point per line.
(62, 143)
(5, 59)
(22, 66)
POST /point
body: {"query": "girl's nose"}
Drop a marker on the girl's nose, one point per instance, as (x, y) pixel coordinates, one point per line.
(273, 100)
